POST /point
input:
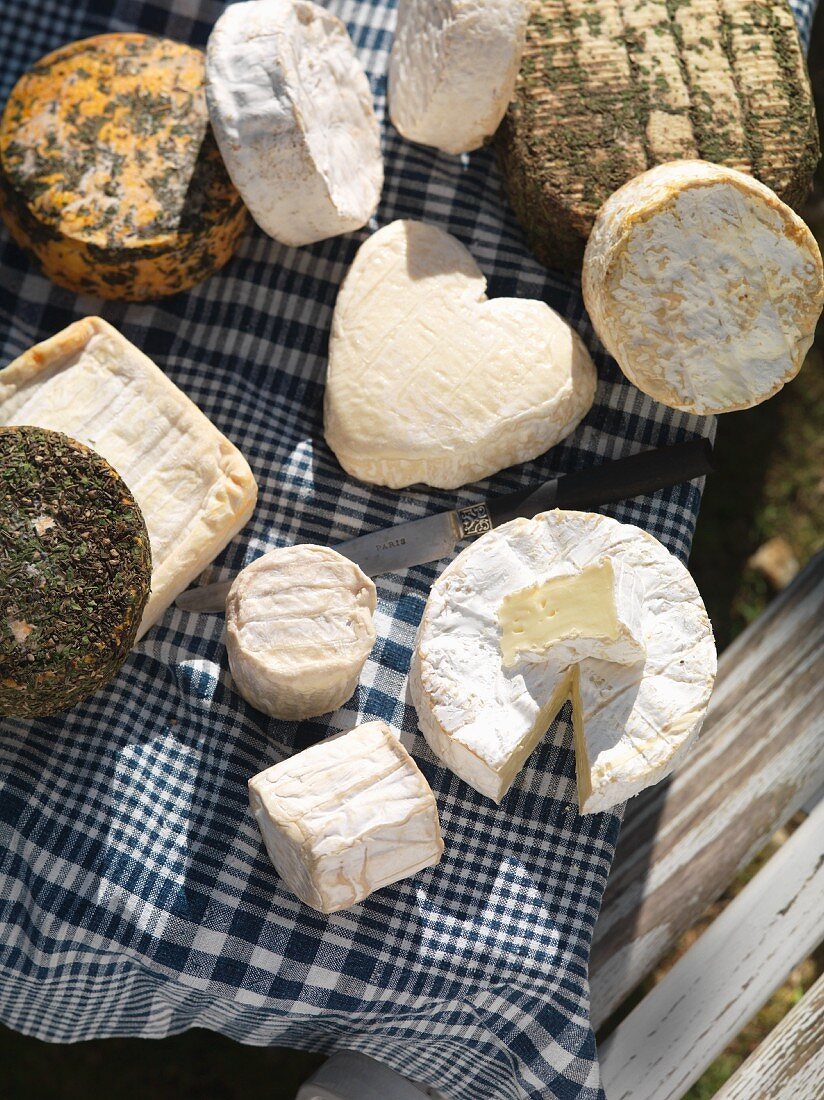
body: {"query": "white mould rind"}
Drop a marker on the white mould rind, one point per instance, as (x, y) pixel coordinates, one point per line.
(704, 286)
(452, 69)
(430, 381)
(634, 722)
(298, 630)
(292, 112)
(346, 817)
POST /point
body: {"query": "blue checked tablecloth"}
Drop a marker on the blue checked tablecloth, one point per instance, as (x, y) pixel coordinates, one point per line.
(135, 895)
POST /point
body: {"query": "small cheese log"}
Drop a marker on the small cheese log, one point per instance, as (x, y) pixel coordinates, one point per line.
(346, 817)
(298, 630)
(607, 90)
(75, 569)
(430, 381)
(109, 173)
(193, 486)
(704, 286)
(452, 69)
(293, 115)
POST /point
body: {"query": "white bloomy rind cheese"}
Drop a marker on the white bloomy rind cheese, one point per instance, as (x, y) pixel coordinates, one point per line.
(430, 381)
(453, 68)
(704, 286)
(292, 112)
(193, 486)
(346, 817)
(298, 630)
(635, 715)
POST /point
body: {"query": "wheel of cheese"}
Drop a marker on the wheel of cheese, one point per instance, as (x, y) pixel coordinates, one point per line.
(298, 630)
(452, 69)
(109, 173)
(75, 571)
(293, 116)
(611, 88)
(704, 286)
(568, 605)
(430, 381)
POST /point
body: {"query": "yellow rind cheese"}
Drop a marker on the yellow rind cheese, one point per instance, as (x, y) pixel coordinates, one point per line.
(109, 172)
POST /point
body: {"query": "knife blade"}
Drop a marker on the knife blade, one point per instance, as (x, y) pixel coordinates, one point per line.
(434, 537)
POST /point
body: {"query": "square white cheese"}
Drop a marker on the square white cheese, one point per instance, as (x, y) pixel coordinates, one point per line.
(346, 817)
(194, 487)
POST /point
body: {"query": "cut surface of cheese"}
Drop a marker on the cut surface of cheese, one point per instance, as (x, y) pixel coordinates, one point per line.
(610, 88)
(431, 381)
(590, 613)
(298, 630)
(704, 286)
(633, 721)
(452, 69)
(292, 111)
(193, 486)
(109, 172)
(346, 817)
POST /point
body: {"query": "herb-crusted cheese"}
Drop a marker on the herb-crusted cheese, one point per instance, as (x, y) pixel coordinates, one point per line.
(607, 90)
(75, 569)
(109, 172)
(193, 486)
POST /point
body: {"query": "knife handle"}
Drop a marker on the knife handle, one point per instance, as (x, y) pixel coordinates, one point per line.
(610, 482)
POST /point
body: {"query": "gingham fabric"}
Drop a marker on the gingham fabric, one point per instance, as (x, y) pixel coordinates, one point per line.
(135, 895)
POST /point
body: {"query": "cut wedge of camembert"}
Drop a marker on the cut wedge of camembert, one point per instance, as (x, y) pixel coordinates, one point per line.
(565, 606)
(193, 486)
(452, 69)
(346, 817)
(431, 381)
(298, 630)
(293, 116)
(704, 286)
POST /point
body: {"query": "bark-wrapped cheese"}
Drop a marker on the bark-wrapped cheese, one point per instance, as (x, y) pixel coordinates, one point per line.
(75, 571)
(109, 172)
(606, 91)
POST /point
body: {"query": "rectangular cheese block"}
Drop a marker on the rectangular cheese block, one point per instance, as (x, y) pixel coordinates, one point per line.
(346, 817)
(194, 487)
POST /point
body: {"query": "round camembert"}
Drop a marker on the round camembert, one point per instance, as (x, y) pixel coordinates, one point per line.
(704, 286)
(568, 605)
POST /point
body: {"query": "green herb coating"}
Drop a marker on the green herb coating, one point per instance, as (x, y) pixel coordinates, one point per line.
(75, 571)
(606, 91)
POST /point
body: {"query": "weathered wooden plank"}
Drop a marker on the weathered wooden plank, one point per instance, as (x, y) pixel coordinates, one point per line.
(789, 1064)
(760, 757)
(666, 1043)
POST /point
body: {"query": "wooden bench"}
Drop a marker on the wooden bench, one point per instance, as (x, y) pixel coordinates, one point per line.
(759, 760)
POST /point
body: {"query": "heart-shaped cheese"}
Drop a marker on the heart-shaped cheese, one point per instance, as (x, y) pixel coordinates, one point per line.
(430, 381)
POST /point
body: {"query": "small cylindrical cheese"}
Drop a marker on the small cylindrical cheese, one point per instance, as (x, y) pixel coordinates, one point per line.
(298, 630)
(346, 817)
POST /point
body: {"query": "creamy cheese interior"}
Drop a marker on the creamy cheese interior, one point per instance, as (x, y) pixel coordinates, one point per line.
(558, 609)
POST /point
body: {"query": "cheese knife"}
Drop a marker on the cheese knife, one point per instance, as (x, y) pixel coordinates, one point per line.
(434, 537)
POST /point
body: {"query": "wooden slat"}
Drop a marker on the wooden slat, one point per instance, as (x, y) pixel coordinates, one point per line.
(667, 1042)
(760, 758)
(789, 1064)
